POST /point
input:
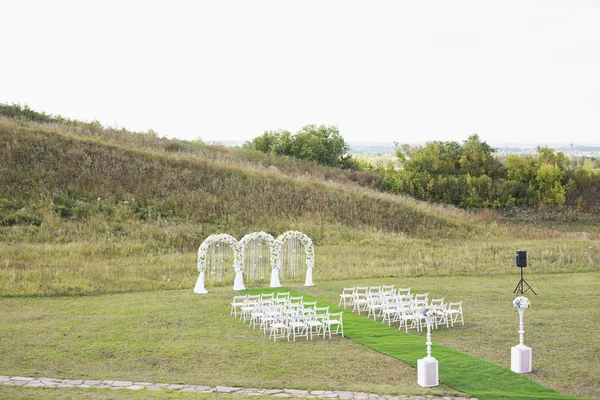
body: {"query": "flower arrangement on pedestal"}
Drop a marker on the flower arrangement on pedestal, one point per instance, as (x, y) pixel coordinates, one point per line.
(430, 311)
(427, 367)
(520, 358)
(521, 302)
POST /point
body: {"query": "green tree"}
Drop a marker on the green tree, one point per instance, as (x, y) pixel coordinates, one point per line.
(549, 188)
(547, 155)
(435, 157)
(521, 169)
(323, 144)
(267, 142)
(478, 158)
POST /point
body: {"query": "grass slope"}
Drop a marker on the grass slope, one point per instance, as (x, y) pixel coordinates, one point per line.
(115, 213)
(41, 161)
(463, 372)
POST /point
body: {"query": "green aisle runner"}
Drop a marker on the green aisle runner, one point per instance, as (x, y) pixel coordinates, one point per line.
(460, 371)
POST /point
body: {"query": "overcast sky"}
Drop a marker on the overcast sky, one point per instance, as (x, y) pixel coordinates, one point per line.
(511, 71)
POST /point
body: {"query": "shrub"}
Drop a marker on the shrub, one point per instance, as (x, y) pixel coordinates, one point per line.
(19, 218)
(63, 205)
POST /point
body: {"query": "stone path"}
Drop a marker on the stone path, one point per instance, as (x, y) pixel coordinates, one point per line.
(108, 384)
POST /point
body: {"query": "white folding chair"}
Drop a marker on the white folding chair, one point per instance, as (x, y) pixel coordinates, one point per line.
(390, 311)
(309, 304)
(453, 311)
(436, 302)
(442, 317)
(403, 292)
(267, 296)
(281, 297)
(298, 326)
(334, 319)
(296, 300)
(375, 289)
(388, 289)
(315, 323)
(238, 302)
(256, 315)
(250, 304)
(374, 306)
(359, 302)
(268, 317)
(422, 296)
(347, 295)
(439, 306)
(409, 318)
(280, 329)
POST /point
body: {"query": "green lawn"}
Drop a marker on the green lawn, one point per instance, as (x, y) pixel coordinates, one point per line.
(178, 336)
(181, 337)
(30, 393)
(565, 342)
(460, 371)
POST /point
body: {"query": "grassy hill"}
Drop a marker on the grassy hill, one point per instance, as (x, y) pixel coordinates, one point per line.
(77, 169)
(86, 209)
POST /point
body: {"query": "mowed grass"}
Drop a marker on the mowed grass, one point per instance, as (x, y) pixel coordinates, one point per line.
(182, 337)
(31, 393)
(178, 336)
(561, 325)
(461, 371)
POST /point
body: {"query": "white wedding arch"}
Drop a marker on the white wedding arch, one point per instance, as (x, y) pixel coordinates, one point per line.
(256, 250)
(212, 243)
(277, 250)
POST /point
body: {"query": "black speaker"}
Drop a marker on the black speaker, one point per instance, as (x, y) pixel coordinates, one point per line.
(521, 258)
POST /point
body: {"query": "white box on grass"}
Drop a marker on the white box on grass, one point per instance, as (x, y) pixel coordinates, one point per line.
(427, 369)
(520, 359)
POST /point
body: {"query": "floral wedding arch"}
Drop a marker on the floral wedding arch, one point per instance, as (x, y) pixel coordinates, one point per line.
(238, 260)
(276, 256)
(256, 250)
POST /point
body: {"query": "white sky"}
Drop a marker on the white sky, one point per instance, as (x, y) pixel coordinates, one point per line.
(407, 71)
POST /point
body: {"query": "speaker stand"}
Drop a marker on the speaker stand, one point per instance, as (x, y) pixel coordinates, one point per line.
(521, 285)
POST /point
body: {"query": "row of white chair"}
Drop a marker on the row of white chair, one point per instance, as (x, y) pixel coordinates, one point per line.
(285, 316)
(350, 294)
(399, 305)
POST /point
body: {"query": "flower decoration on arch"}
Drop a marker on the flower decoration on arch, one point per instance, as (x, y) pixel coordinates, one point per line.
(238, 255)
(276, 248)
(254, 236)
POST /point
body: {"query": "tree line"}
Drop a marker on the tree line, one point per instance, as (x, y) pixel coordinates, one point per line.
(467, 174)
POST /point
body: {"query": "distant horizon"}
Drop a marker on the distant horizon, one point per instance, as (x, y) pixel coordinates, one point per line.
(391, 143)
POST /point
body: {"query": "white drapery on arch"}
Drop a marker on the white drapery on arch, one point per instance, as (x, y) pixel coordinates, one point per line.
(238, 260)
(277, 250)
(257, 266)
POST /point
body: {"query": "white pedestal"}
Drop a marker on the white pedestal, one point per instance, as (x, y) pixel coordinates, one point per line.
(275, 278)
(199, 288)
(238, 283)
(308, 281)
(427, 369)
(520, 359)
